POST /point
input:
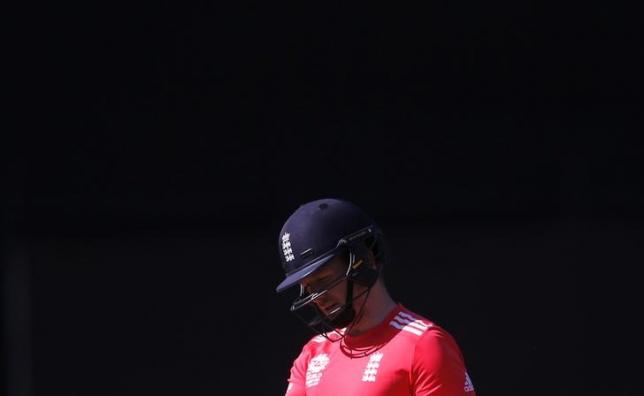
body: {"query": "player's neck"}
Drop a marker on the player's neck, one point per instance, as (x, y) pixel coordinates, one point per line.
(378, 305)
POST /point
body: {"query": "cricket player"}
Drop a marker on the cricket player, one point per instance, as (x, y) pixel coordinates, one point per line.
(366, 344)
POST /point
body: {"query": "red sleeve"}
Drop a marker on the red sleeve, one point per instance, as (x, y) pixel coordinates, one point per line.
(296, 380)
(438, 368)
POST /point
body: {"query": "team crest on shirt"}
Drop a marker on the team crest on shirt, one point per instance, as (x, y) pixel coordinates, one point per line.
(315, 369)
(371, 370)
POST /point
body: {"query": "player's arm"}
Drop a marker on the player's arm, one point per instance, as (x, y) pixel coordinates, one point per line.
(296, 381)
(438, 368)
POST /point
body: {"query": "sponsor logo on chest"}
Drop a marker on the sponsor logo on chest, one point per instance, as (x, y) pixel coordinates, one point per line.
(315, 369)
(469, 387)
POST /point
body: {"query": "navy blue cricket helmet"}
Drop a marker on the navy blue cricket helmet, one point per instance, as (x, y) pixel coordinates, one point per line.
(318, 231)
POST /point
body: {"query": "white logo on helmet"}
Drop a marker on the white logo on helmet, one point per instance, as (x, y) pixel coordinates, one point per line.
(286, 247)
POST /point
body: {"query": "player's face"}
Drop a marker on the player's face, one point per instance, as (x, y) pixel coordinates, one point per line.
(330, 277)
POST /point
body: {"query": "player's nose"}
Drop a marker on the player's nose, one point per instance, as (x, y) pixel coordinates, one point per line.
(323, 301)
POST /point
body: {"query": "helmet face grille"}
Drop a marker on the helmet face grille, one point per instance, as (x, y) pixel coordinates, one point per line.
(361, 269)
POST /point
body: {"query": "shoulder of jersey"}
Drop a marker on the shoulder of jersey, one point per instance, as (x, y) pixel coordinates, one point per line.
(320, 339)
(411, 323)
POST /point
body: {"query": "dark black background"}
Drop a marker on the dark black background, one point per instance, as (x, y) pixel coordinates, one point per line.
(498, 144)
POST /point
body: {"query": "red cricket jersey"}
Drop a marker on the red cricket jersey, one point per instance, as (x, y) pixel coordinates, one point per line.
(406, 354)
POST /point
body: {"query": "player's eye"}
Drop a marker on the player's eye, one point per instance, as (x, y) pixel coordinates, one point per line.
(317, 285)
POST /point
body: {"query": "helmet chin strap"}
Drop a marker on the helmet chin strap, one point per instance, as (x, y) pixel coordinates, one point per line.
(348, 317)
(348, 313)
(345, 316)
